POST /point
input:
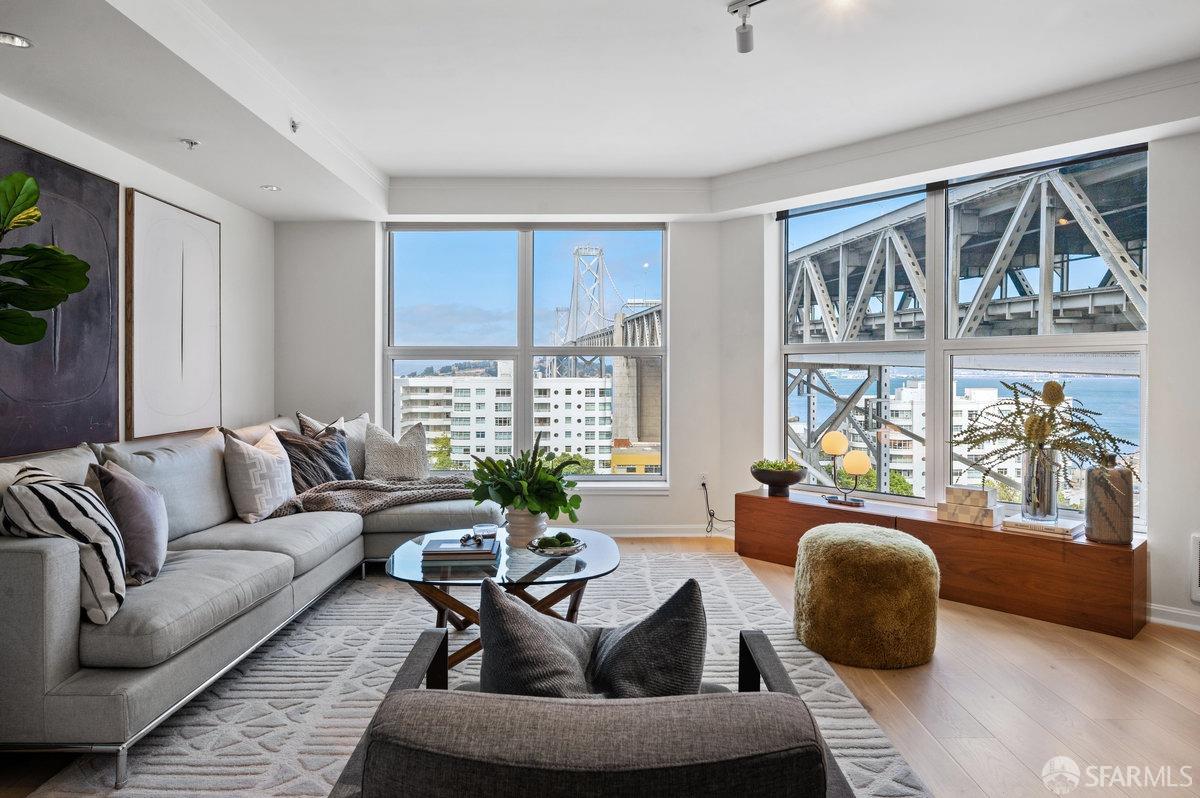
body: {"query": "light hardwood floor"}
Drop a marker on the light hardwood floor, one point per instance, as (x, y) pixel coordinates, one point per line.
(1002, 696)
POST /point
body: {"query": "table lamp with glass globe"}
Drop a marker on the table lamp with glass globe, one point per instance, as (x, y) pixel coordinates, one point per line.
(856, 464)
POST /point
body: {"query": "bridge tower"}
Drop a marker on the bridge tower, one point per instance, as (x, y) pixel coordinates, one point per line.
(587, 312)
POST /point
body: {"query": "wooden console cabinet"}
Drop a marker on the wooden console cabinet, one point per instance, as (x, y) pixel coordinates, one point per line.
(1078, 583)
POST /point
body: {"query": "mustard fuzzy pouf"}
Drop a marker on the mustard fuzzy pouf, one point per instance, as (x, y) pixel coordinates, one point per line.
(866, 596)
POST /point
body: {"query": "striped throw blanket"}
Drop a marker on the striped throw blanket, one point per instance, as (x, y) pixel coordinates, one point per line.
(365, 496)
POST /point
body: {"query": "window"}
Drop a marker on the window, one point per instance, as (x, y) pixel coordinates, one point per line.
(503, 450)
(905, 314)
(481, 434)
(593, 302)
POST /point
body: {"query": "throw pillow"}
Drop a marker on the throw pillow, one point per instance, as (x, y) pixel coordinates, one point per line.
(39, 505)
(388, 458)
(318, 460)
(528, 653)
(140, 514)
(356, 437)
(259, 476)
(662, 654)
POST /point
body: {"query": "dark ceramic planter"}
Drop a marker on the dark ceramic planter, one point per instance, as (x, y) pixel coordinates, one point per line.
(778, 482)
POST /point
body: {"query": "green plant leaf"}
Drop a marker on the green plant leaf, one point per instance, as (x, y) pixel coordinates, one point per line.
(19, 327)
(18, 193)
(27, 298)
(44, 266)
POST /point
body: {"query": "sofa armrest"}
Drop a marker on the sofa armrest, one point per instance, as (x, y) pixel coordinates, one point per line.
(39, 629)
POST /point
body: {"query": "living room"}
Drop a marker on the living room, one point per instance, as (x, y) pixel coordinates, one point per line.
(587, 398)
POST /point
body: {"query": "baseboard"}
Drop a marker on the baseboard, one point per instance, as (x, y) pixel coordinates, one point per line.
(658, 530)
(1175, 616)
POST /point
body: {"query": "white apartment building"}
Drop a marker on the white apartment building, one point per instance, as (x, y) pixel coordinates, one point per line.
(574, 414)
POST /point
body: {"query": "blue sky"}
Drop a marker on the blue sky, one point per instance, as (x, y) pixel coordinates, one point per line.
(459, 288)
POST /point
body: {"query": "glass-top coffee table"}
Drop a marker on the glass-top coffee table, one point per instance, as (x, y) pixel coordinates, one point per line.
(515, 570)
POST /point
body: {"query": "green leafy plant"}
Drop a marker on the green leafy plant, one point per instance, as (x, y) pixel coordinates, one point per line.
(776, 465)
(33, 277)
(526, 481)
(1037, 420)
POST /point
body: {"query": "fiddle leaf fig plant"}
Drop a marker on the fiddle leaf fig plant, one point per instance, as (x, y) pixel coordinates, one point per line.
(526, 481)
(33, 277)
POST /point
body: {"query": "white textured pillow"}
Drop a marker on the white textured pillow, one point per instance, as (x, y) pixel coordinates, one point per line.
(356, 436)
(259, 476)
(388, 458)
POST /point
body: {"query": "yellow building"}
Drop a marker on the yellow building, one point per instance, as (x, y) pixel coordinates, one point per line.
(629, 457)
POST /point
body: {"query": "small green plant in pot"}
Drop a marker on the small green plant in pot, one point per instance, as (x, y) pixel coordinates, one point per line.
(778, 475)
(530, 490)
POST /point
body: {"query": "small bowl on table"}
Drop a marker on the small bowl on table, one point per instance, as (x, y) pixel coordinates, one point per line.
(778, 482)
(566, 546)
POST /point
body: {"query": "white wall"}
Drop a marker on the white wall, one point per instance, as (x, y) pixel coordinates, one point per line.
(247, 256)
(328, 331)
(1174, 374)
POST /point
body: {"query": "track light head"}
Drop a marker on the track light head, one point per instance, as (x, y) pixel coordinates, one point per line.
(745, 32)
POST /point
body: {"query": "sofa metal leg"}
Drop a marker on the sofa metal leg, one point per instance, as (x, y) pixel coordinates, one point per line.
(122, 768)
(362, 571)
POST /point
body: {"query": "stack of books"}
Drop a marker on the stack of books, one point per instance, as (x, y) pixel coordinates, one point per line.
(452, 552)
(1062, 529)
(975, 506)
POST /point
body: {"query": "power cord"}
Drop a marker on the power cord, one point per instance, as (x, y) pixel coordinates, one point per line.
(712, 514)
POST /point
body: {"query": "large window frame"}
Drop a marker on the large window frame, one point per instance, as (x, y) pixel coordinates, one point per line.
(940, 348)
(524, 353)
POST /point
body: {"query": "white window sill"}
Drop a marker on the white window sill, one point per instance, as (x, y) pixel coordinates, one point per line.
(622, 488)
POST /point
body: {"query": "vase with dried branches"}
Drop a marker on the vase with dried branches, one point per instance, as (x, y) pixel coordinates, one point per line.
(1047, 432)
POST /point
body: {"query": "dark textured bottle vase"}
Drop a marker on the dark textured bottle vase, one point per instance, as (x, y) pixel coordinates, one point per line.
(1109, 503)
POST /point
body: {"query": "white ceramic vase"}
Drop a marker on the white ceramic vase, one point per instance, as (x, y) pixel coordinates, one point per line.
(524, 526)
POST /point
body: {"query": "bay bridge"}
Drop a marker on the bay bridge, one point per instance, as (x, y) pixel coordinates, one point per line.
(1050, 251)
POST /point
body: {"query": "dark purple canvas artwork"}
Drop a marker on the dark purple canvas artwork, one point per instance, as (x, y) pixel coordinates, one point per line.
(63, 389)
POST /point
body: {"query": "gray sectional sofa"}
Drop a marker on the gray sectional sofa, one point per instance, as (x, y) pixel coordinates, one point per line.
(225, 589)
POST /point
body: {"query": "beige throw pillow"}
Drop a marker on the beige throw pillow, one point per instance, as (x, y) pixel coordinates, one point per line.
(388, 458)
(356, 436)
(259, 476)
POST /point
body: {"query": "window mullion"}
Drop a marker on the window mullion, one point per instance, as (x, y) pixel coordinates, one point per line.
(523, 367)
(937, 367)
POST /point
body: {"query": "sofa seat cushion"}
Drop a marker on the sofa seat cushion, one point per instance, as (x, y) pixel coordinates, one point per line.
(308, 538)
(196, 593)
(433, 516)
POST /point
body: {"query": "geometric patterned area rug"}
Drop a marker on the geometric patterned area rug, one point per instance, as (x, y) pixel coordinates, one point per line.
(284, 721)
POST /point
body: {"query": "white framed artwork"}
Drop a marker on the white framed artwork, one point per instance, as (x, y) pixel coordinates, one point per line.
(172, 318)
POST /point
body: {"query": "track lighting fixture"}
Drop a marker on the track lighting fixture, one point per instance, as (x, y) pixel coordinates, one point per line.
(744, 31)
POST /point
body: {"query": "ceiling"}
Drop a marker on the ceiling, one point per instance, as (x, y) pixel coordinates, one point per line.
(656, 89)
(541, 88)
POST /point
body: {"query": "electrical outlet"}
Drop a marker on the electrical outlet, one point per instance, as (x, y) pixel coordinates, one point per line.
(703, 479)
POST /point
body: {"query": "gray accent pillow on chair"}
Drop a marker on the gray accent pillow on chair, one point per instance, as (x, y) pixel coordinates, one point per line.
(528, 653)
(140, 513)
(356, 436)
(259, 476)
(388, 458)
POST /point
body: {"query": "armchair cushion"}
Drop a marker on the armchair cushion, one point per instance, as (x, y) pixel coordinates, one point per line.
(699, 745)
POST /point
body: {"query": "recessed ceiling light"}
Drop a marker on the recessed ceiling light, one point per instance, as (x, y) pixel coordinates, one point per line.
(269, 187)
(14, 40)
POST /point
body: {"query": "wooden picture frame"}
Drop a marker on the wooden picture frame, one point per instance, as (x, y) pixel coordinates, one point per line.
(172, 318)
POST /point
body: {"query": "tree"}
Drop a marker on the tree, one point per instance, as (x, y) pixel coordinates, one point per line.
(897, 484)
(440, 456)
(583, 465)
(1004, 492)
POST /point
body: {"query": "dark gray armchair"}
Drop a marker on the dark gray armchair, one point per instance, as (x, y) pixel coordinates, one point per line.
(454, 743)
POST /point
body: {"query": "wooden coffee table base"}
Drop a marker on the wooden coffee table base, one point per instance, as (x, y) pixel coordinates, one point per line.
(457, 614)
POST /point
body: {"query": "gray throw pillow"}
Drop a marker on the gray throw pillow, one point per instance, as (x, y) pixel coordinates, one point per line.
(259, 476)
(356, 436)
(388, 458)
(141, 516)
(528, 653)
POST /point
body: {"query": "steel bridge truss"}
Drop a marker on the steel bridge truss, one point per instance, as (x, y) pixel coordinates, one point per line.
(868, 282)
(862, 414)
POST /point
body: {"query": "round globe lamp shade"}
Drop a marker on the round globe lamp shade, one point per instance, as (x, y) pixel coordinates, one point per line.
(856, 463)
(835, 443)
